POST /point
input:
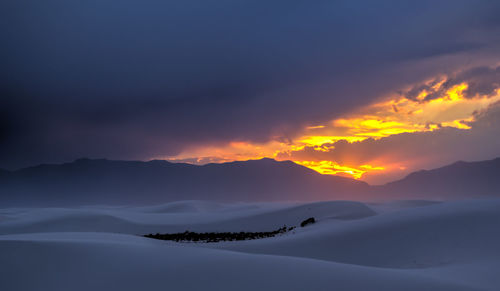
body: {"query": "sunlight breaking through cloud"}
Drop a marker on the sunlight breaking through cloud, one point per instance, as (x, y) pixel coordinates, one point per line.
(435, 104)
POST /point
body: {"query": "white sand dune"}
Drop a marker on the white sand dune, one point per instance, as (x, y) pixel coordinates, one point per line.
(177, 217)
(441, 234)
(92, 261)
(435, 246)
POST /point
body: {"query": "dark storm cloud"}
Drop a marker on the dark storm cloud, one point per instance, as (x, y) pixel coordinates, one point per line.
(136, 79)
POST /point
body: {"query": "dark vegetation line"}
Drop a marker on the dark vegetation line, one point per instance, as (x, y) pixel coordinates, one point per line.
(217, 236)
(224, 236)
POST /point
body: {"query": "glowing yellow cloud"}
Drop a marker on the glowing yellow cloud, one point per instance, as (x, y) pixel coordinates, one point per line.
(400, 115)
(431, 109)
(332, 168)
(321, 140)
(315, 127)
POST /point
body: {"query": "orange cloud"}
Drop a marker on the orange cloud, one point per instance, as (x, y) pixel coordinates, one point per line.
(434, 106)
(400, 115)
(332, 168)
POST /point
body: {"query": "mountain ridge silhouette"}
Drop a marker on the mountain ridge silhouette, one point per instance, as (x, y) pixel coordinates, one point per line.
(103, 181)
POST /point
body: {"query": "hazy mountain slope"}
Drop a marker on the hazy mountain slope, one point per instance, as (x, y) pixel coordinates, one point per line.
(87, 181)
(458, 180)
(124, 182)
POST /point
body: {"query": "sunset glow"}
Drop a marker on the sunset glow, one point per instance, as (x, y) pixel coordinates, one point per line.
(332, 168)
(433, 108)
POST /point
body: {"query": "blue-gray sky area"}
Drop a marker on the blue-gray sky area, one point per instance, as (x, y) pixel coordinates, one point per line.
(192, 80)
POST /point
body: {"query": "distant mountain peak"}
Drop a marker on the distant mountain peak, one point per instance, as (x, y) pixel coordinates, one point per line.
(159, 162)
(89, 160)
(460, 179)
(88, 180)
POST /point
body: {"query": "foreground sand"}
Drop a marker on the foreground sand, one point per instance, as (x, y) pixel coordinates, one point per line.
(412, 245)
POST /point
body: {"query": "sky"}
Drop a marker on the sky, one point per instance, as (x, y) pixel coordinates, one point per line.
(371, 90)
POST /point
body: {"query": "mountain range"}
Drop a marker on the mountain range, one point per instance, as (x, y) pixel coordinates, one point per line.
(91, 181)
(101, 181)
(460, 180)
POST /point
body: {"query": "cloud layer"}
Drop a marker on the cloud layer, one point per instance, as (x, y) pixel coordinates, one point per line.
(407, 152)
(137, 80)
